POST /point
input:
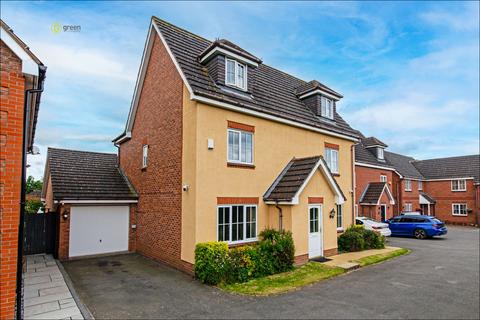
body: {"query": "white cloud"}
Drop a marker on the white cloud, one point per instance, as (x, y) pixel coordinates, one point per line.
(460, 20)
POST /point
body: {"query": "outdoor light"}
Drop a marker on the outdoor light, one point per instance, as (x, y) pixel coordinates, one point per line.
(332, 213)
(65, 215)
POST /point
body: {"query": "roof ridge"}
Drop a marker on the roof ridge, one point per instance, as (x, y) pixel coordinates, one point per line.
(84, 151)
(181, 29)
(452, 157)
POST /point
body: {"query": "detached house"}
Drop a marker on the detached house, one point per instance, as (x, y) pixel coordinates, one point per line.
(219, 146)
(388, 183)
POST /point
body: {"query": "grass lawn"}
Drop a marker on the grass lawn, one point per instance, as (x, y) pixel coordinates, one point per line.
(381, 257)
(283, 282)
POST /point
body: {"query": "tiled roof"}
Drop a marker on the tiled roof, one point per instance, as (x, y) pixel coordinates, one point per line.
(273, 93)
(403, 165)
(82, 175)
(364, 155)
(313, 85)
(223, 43)
(292, 177)
(372, 193)
(428, 197)
(453, 167)
(372, 141)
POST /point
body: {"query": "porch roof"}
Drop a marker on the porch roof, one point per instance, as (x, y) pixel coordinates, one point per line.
(373, 193)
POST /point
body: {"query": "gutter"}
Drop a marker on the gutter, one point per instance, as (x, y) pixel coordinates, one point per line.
(25, 150)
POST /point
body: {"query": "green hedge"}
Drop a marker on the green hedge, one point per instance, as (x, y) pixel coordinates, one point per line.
(216, 263)
(357, 238)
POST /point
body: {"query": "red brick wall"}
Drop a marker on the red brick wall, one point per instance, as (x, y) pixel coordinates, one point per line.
(158, 123)
(441, 191)
(409, 196)
(12, 87)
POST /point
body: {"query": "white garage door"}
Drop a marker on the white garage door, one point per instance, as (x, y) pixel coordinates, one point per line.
(98, 229)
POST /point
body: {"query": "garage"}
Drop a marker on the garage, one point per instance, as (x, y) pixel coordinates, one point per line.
(93, 201)
(98, 230)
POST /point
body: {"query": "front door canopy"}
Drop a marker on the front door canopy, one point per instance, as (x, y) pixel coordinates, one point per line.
(288, 186)
(373, 193)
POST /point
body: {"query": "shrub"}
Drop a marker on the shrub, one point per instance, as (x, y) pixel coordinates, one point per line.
(215, 263)
(211, 261)
(357, 238)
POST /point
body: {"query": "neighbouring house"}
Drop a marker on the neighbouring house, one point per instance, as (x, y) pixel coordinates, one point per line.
(21, 85)
(93, 202)
(219, 146)
(448, 188)
(34, 195)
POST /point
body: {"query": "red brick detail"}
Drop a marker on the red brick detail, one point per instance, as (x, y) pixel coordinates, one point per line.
(313, 200)
(237, 200)
(332, 146)
(132, 232)
(330, 252)
(64, 232)
(240, 126)
(12, 92)
(188, 268)
(240, 165)
(158, 120)
(301, 259)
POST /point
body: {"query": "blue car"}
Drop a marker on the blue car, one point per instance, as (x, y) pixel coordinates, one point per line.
(419, 226)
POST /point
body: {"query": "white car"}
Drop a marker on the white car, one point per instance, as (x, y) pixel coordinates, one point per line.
(370, 224)
(411, 213)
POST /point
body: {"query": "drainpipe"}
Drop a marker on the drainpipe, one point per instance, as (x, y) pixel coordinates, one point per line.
(26, 115)
(280, 216)
(354, 184)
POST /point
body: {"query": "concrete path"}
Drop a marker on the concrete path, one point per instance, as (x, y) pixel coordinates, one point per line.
(46, 295)
(345, 260)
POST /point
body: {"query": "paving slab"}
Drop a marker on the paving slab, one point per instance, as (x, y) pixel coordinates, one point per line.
(46, 294)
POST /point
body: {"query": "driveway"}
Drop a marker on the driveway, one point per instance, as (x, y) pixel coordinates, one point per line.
(439, 279)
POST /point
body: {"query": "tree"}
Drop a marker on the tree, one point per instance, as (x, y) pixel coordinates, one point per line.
(33, 184)
(32, 206)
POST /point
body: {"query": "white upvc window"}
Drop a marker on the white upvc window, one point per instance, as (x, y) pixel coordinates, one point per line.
(339, 216)
(237, 223)
(145, 156)
(240, 146)
(408, 185)
(420, 185)
(380, 154)
(235, 74)
(459, 185)
(383, 178)
(408, 207)
(459, 209)
(327, 108)
(331, 158)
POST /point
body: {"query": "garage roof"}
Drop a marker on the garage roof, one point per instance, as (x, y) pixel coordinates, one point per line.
(84, 175)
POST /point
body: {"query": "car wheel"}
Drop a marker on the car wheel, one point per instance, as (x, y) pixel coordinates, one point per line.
(420, 234)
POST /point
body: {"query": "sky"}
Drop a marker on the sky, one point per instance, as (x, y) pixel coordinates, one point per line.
(409, 71)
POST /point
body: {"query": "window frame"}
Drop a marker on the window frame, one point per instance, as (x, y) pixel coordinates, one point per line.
(383, 178)
(230, 223)
(458, 204)
(239, 161)
(380, 153)
(458, 186)
(327, 149)
(420, 185)
(236, 73)
(145, 148)
(323, 108)
(408, 186)
(339, 209)
(408, 205)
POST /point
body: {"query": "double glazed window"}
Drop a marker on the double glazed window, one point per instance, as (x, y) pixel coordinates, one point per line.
(339, 216)
(314, 219)
(240, 146)
(408, 185)
(420, 185)
(237, 223)
(331, 157)
(380, 154)
(145, 156)
(236, 74)
(327, 108)
(408, 207)
(383, 178)
(459, 209)
(459, 185)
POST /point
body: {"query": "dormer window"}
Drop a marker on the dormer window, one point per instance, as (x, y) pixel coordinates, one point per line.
(327, 108)
(235, 74)
(380, 155)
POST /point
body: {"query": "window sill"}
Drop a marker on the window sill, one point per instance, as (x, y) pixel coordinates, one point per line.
(143, 168)
(240, 165)
(340, 230)
(460, 215)
(459, 190)
(243, 243)
(336, 174)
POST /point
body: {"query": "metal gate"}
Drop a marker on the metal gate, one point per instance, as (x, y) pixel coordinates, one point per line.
(40, 233)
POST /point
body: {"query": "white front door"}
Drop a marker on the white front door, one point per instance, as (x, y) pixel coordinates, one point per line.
(315, 236)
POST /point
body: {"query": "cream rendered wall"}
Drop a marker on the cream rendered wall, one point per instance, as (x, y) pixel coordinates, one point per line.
(275, 144)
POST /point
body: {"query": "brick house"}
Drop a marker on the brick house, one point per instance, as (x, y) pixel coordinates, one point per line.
(93, 201)
(448, 188)
(22, 76)
(219, 146)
